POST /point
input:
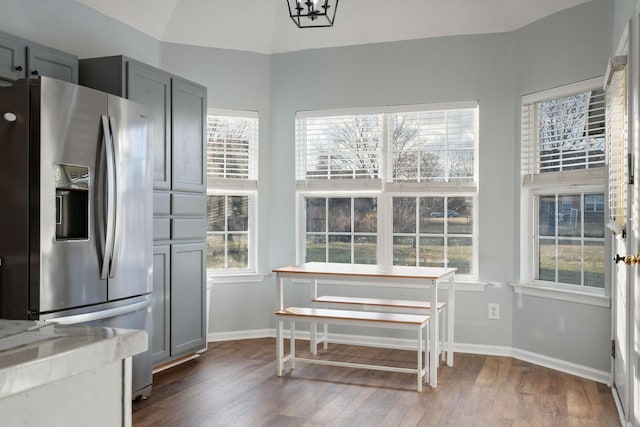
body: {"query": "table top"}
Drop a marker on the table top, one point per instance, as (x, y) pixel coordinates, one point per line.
(361, 270)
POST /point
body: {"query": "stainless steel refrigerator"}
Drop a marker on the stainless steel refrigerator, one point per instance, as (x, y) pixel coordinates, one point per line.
(76, 210)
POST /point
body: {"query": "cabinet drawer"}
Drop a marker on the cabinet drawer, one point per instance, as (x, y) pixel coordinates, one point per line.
(189, 205)
(161, 204)
(189, 228)
(161, 229)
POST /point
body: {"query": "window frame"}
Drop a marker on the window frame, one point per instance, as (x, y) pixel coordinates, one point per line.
(239, 187)
(384, 187)
(583, 181)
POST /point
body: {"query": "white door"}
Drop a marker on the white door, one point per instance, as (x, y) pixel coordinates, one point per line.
(620, 325)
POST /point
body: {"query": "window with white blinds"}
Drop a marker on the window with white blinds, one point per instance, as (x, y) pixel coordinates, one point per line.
(617, 136)
(563, 153)
(563, 130)
(232, 191)
(232, 146)
(394, 185)
(407, 144)
(433, 146)
(339, 147)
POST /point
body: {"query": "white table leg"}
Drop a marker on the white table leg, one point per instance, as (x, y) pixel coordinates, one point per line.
(279, 293)
(450, 312)
(433, 336)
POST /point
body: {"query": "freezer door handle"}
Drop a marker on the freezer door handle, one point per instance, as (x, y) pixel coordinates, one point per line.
(109, 235)
(118, 198)
(99, 315)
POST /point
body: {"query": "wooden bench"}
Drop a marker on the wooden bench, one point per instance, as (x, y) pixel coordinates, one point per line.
(388, 304)
(415, 322)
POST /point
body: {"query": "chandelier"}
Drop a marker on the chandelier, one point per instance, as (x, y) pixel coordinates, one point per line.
(313, 13)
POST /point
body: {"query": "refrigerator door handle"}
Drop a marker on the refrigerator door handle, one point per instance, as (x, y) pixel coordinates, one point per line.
(99, 315)
(108, 246)
(118, 199)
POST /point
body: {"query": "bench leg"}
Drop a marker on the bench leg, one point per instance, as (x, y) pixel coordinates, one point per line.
(445, 335)
(325, 344)
(279, 347)
(313, 340)
(426, 355)
(292, 344)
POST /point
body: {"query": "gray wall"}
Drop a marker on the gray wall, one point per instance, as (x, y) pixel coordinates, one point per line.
(495, 69)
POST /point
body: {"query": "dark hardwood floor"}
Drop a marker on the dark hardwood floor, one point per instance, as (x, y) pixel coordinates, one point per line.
(234, 384)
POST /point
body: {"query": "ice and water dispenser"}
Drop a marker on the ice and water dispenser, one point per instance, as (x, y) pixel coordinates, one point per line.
(72, 202)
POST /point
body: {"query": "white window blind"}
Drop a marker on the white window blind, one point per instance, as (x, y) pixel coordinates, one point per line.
(426, 143)
(433, 146)
(339, 147)
(563, 131)
(232, 146)
(615, 92)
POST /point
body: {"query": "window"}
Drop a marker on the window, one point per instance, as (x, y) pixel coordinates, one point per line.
(393, 185)
(433, 232)
(563, 202)
(570, 238)
(232, 169)
(341, 229)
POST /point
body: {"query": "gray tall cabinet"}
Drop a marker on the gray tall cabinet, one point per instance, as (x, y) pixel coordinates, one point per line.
(20, 58)
(178, 114)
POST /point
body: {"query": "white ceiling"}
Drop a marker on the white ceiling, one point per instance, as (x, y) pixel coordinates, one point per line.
(264, 26)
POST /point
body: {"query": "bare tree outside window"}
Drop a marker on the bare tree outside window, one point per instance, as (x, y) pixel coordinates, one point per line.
(572, 132)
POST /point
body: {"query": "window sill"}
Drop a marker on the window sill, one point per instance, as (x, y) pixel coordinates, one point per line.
(223, 279)
(559, 293)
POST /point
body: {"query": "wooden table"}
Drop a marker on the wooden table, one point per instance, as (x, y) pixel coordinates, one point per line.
(427, 278)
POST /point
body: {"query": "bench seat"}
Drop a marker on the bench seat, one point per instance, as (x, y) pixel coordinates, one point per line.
(415, 322)
(381, 303)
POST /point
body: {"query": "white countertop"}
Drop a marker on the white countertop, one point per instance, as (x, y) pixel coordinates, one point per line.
(39, 353)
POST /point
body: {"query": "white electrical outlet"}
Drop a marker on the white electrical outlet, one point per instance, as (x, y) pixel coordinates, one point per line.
(494, 311)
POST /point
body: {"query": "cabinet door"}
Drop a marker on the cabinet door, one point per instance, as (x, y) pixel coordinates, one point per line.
(160, 341)
(52, 63)
(188, 267)
(189, 105)
(153, 89)
(12, 58)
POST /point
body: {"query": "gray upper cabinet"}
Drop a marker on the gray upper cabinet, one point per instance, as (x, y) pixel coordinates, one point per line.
(153, 89)
(21, 58)
(13, 59)
(51, 63)
(188, 160)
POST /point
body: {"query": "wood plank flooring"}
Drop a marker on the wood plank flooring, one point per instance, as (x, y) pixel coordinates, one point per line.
(234, 383)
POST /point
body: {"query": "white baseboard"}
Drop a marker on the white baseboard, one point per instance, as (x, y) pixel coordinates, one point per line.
(240, 335)
(563, 366)
(407, 344)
